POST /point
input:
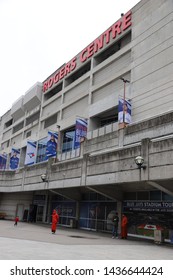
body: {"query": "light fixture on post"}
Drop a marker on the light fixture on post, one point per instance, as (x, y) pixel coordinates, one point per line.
(44, 178)
(139, 160)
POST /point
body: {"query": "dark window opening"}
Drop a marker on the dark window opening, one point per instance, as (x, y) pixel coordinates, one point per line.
(155, 195)
(108, 120)
(50, 121)
(105, 118)
(41, 150)
(53, 92)
(18, 127)
(28, 134)
(9, 123)
(68, 140)
(86, 68)
(143, 195)
(113, 49)
(130, 196)
(32, 118)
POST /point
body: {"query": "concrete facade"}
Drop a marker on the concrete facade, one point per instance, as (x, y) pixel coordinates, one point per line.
(138, 47)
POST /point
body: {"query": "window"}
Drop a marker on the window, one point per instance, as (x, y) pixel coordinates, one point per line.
(53, 92)
(50, 121)
(18, 127)
(155, 195)
(68, 140)
(9, 123)
(32, 118)
(28, 134)
(41, 150)
(130, 196)
(86, 68)
(142, 195)
(113, 49)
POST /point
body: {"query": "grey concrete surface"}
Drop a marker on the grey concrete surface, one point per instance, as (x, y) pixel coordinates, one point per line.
(35, 242)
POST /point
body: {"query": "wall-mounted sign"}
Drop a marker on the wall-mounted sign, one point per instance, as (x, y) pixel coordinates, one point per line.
(104, 39)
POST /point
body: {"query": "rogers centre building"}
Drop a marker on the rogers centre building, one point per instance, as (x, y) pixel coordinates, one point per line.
(110, 111)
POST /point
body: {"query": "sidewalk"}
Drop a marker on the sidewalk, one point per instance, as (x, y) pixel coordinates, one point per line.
(35, 242)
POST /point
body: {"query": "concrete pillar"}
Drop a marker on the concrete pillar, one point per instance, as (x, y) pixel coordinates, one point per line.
(45, 208)
(49, 208)
(84, 170)
(77, 213)
(119, 210)
(145, 154)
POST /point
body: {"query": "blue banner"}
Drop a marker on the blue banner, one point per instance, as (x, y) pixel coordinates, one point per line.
(51, 146)
(124, 111)
(80, 131)
(30, 153)
(15, 157)
(3, 161)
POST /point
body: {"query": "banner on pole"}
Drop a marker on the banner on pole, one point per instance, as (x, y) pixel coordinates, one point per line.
(80, 131)
(51, 146)
(15, 157)
(31, 153)
(124, 111)
(3, 161)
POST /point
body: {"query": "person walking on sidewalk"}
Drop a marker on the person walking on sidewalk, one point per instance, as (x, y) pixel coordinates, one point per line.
(16, 220)
(124, 222)
(55, 220)
(115, 222)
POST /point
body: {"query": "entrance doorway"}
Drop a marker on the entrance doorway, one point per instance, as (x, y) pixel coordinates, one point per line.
(39, 217)
(19, 211)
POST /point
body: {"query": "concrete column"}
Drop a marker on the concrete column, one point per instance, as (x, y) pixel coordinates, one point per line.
(84, 170)
(119, 210)
(49, 208)
(77, 213)
(145, 154)
(45, 208)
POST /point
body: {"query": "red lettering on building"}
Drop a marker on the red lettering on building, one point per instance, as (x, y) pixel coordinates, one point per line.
(56, 78)
(83, 55)
(107, 35)
(50, 82)
(116, 29)
(73, 64)
(111, 33)
(127, 20)
(62, 73)
(98, 43)
(69, 67)
(91, 50)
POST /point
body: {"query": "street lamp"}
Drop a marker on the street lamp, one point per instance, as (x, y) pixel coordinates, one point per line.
(139, 160)
(44, 178)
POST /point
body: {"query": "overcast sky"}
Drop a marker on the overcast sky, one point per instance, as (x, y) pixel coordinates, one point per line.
(38, 36)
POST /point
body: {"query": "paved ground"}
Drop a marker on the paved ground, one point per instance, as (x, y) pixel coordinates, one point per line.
(35, 242)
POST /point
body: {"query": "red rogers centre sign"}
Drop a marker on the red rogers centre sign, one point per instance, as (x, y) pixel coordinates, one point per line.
(111, 33)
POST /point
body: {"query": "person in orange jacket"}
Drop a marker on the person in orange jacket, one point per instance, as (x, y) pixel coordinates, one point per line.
(55, 220)
(124, 222)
